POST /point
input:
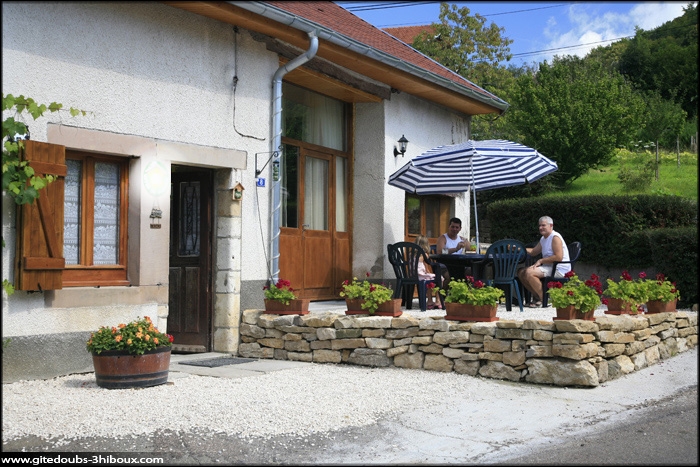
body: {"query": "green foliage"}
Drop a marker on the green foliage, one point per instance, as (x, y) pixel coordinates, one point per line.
(630, 290)
(372, 294)
(471, 292)
(663, 118)
(575, 112)
(9, 288)
(282, 291)
(18, 179)
(678, 175)
(584, 296)
(675, 252)
(665, 60)
(463, 43)
(624, 232)
(137, 337)
(661, 289)
(637, 177)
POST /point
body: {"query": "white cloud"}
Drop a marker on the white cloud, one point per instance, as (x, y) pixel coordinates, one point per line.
(590, 24)
(652, 15)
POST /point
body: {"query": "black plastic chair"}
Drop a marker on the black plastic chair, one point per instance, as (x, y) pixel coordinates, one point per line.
(505, 256)
(403, 257)
(529, 261)
(574, 255)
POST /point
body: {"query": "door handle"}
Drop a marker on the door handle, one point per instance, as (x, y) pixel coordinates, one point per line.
(304, 226)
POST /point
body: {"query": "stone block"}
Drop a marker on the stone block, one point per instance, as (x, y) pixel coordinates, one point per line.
(271, 342)
(498, 370)
(464, 367)
(326, 333)
(409, 360)
(513, 358)
(297, 346)
(339, 344)
(378, 343)
(435, 362)
(369, 357)
(497, 345)
(326, 356)
(561, 372)
(300, 356)
(451, 337)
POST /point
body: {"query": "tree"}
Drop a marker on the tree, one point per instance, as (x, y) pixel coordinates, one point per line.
(665, 59)
(576, 112)
(463, 44)
(663, 118)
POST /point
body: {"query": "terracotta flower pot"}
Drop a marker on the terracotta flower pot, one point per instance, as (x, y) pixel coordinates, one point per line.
(617, 306)
(570, 312)
(118, 369)
(389, 308)
(299, 306)
(658, 306)
(466, 312)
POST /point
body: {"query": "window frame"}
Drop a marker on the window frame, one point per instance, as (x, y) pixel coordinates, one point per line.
(86, 273)
(445, 209)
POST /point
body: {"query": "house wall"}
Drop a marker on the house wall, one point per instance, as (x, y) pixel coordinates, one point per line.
(158, 85)
(425, 126)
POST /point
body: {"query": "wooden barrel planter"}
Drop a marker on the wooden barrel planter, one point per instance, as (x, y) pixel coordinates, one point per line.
(118, 369)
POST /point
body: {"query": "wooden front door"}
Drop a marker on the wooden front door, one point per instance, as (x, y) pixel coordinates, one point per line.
(190, 289)
(314, 233)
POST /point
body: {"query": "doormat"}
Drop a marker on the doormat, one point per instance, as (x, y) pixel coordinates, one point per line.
(216, 362)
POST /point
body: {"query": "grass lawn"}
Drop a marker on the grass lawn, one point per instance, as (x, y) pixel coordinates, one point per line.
(673, 180)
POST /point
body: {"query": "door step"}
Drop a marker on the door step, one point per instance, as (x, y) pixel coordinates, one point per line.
(188, 348)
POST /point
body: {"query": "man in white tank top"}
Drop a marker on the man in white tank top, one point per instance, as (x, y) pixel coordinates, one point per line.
(452, 240)
(553, 249)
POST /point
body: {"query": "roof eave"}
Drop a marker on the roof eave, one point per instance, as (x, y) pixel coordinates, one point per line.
(349, 53)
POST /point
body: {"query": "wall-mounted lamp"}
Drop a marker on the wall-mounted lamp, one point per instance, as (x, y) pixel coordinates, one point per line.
(403, 142)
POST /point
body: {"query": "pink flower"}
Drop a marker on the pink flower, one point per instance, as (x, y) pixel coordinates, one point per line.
(642, 275)
(570, 274)
(626, 276)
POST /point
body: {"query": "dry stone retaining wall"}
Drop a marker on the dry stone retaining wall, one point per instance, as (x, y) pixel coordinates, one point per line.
(562, 353)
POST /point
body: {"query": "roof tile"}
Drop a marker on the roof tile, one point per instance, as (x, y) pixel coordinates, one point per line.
(338, 19)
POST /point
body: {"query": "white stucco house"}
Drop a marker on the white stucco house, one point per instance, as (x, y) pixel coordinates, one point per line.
(223, 144)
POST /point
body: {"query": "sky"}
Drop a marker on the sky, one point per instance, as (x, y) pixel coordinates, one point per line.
(539, 30)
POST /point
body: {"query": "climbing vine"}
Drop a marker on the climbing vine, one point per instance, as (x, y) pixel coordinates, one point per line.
(18, 179)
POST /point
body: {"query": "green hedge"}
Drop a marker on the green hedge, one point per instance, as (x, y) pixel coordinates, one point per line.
(615, 231)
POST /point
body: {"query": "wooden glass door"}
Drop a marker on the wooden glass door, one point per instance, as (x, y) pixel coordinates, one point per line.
(314, 255)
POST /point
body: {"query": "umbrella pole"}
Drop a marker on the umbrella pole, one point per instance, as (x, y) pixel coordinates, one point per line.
(476, 221)
(476, 214)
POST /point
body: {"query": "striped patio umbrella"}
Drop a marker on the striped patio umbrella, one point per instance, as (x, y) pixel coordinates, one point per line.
(472, 165)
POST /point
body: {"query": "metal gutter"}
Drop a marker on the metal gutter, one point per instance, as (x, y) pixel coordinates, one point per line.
(302, 24)
(276, 199)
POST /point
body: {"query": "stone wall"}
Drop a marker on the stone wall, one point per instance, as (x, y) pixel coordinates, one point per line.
(563, 353)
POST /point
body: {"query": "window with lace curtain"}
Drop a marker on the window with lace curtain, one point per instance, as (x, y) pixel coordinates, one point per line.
(95, 220)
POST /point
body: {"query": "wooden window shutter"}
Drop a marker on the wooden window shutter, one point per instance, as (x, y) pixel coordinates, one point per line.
(39, 260)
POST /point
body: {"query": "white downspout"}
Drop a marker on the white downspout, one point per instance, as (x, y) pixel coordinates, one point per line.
(276, 199)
